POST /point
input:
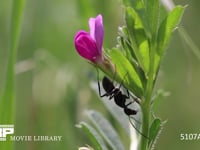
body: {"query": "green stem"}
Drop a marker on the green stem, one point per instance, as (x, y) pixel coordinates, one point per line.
(146, 116)
(145, 127)
(147, 98)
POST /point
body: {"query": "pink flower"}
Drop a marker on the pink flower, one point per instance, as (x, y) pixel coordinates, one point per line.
(89, 45)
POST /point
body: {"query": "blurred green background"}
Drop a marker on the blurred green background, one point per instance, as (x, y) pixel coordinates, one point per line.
(52, 81)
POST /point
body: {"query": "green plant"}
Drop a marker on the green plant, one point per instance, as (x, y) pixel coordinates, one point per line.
(7, 99)
(136, 59)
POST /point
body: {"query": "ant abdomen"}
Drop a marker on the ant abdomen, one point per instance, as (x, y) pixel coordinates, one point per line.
(130, 112)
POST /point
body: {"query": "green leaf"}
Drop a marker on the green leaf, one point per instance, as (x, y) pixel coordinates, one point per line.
(125, 44)
(140, 7)
(137, 4)
(165, 31)
(155, 128)
(7, 99)
(126, 72)
(167, 27)
(126, 2)
(153, 9)
(138, 38)
(8, 95)
(93, 135)
(106, 129)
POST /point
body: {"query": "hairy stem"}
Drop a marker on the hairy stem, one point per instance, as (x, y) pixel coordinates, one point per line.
(147, 98)
(146, 116)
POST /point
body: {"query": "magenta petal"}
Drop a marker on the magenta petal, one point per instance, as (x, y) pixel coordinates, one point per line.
(86, 46)
(81, 32)
(92, 27)
(97, 31)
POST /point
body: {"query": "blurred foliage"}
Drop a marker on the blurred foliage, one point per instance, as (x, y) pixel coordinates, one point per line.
(53, 81)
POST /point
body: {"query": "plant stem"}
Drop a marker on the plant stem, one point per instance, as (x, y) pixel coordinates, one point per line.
(146, 117)
(147, 97)
(145, 127)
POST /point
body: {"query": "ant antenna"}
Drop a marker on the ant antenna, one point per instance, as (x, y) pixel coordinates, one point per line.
(114, 75)
(135, 120)
(98, 80)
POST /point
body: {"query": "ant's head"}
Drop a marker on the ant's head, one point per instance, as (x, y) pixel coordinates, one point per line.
(107, 85)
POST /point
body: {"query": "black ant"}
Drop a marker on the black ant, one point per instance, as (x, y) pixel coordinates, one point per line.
(119, 98)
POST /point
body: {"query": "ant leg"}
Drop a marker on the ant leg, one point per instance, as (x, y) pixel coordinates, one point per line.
(135, 120)
(129, 104)
(100, 90)
(135, 98)
(99, 84)
(136, 128)
(128, 94)
(122, 80)
(106, 94)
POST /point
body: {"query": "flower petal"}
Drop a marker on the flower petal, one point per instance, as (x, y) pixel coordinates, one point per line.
(86, 46)
(97, 31)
